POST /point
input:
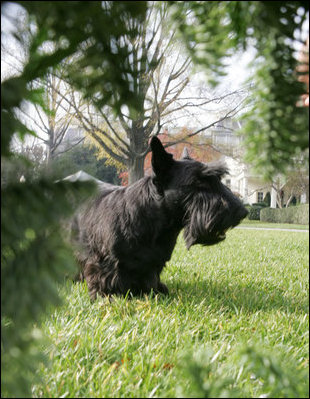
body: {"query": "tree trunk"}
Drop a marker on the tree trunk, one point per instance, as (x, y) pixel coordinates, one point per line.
(139, 144)
(273, 199)
(50, 143)
(289, 200)
(136, 170)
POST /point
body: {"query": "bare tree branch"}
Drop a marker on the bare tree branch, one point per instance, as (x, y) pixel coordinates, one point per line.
(91, 129)
(71, 147)
(227, 115)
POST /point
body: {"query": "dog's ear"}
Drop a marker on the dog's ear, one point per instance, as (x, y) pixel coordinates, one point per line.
(161, 160)
(218, 169)
(185, 154)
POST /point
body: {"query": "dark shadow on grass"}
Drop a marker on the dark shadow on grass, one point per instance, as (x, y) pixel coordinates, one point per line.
(238, 296)
(230, 295)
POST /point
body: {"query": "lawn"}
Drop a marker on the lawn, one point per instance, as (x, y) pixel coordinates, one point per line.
(289, 226)
(234, 325)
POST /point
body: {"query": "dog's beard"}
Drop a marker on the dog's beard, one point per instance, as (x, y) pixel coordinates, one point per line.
(206, 220)
(194, 235)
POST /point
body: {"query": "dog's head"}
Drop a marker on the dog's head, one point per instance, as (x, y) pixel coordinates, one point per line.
(193, 191)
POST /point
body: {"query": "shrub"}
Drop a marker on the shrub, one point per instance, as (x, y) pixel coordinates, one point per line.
(205, 375)
(298, 214)
(255, 209)
(34, 257)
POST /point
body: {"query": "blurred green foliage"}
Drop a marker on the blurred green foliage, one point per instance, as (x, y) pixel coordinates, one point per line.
(207, 377)
(279, 379)
(33, 255)
(34, 258)
(275, 128)
(92, 31)
(204, 379)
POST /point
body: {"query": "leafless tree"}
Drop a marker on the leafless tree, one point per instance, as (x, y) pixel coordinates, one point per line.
(161, 75)
(293, 184)
(297, 182)
(51, 124)
(51, 128)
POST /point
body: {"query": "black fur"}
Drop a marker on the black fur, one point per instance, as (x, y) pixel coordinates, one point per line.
(125, 235)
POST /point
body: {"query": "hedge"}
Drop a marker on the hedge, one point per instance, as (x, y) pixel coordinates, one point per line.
(255, 209)
(294, 214)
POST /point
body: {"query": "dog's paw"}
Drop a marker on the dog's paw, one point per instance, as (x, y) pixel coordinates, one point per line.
(162, 288)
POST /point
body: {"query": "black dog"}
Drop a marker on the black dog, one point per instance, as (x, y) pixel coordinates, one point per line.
(126, 234)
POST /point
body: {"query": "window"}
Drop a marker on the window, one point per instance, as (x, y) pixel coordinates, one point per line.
(260, 196)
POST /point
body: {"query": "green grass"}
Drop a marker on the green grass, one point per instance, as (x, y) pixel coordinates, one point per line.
(234, 325)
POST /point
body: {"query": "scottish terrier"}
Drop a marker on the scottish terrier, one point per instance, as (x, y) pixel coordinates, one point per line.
(125, 235)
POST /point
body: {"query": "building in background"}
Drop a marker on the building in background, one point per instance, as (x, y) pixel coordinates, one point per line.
(245, 182)
(219, 143)
(222, 143)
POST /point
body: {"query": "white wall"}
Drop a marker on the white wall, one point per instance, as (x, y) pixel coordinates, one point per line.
(242, 182)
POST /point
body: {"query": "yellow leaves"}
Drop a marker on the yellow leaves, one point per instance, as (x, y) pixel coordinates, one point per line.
(112, 139)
